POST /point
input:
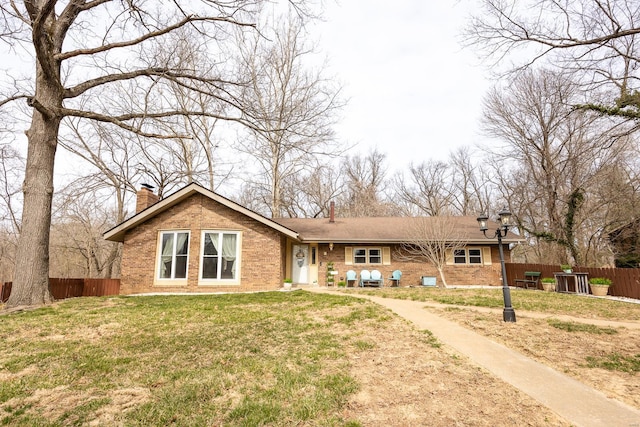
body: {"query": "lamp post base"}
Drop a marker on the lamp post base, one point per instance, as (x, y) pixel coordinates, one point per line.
(509, 314)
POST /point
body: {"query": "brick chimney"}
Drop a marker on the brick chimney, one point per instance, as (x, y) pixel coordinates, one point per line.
(332, 212)
(145, 197)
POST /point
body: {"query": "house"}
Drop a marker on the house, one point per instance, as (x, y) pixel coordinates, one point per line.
(195, 240)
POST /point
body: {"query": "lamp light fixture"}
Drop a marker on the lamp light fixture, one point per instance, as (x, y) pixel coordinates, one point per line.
(504, 222)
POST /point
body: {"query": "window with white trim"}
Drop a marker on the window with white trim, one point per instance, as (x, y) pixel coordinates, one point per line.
(367, 255)
(219, 255)
(174, 255)
(467, 256)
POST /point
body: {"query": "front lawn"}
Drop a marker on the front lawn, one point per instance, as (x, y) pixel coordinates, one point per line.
(521, 299)
(270, 358)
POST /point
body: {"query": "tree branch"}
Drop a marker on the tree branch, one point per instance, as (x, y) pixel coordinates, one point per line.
(150, 35)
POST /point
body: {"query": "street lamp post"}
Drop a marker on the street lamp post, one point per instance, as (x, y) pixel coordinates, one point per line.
(508, 314)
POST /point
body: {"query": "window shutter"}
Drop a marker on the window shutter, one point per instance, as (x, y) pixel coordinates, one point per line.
(486, 255)
(348, 255)
(386, 255)
(449, 256)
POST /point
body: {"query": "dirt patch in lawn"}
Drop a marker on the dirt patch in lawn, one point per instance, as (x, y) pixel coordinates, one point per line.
(578, 349)
(406, 379)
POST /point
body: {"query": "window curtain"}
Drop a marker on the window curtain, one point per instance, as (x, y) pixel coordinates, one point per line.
(229, 255)
(229, 246)
(210, 256)
(183, 245)
(211, 244)
(182, 252)
(167, 256)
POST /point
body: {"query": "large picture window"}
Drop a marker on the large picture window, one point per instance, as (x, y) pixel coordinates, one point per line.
(174, 255)
(219, 255)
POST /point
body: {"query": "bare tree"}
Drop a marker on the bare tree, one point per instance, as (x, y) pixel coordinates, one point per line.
(434, 240)
(310, 195)
(596, 41)
(427, 190)
(86, 49)
(365, 181)
(294, 108)
(78, 248)
(555, 154)
(194, 154)
(471, 192)
(11, 167)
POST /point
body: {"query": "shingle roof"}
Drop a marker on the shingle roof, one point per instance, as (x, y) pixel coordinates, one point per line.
(379, 229)
(342, 230)
(117, 233)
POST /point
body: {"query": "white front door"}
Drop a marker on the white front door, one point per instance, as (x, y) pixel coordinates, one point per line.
(300, 263)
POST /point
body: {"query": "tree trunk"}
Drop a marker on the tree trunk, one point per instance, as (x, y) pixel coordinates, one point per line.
(444, 281)
(31, 279)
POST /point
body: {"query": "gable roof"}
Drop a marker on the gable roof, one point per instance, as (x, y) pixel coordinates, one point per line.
(382, 229)
(369, 230)
(117, 233)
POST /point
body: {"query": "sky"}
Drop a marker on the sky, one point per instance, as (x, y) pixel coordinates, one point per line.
(413, 91)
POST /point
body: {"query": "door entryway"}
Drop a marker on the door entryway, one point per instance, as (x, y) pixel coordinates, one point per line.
(300, 264)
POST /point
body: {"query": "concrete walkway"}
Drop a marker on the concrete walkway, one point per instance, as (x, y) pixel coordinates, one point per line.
(575, 402)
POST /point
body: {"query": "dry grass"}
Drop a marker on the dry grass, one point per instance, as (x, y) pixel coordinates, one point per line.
(223, 360)
(522, 299)
(594, 340)
(264, 359)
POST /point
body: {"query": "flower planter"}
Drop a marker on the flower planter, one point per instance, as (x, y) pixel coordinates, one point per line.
(599, 290)
(286, 286)
(549, 287)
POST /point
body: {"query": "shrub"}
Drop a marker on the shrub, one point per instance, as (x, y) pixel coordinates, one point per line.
(548, 280)
(600, 281)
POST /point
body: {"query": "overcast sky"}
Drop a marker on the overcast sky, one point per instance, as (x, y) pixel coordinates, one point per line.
(414, 92)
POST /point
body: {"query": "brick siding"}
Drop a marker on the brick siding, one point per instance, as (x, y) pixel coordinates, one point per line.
(261, 261)
(487, 275)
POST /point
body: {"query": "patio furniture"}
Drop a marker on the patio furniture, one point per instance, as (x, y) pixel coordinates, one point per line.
(376, 279)
(365, 276)
(352, 276)
(531, 279)
(395, 278)
(371, 278)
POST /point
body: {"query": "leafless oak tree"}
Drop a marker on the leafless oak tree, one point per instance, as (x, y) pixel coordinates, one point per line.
(365, 183)
(595, 40)
(550, 157)
(427, 190)
(294, 107)
(85, 49)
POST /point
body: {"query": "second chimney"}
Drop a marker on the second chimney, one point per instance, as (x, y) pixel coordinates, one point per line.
(332, 212)
(145, 198)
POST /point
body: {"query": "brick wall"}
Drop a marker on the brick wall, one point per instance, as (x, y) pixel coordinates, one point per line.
(488, 275)
(145, 198)
(261, 263)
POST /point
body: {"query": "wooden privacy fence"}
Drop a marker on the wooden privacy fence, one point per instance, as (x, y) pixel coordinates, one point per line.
(70, 288)
(626, 281)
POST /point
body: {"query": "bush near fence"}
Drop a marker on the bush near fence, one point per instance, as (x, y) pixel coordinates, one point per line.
(70, 288)
(626, 281)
